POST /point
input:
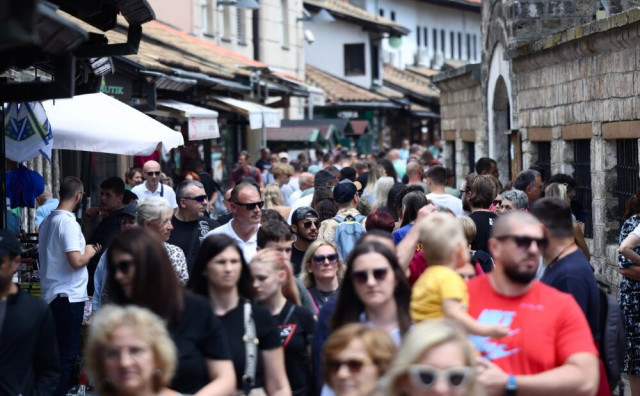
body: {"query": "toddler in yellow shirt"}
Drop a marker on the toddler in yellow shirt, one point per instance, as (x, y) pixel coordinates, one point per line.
(440, 291)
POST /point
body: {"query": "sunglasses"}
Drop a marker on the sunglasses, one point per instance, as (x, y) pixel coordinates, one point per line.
(524, 242)
(122, 266)
(319, 259)
(354, 365)
(199, 198)
(307, 223)
(156, 173)
(251, 206)
(362, 277)
(425, 377)
(497, 202)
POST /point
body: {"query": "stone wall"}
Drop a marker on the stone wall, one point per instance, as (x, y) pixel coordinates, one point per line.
(584, 83)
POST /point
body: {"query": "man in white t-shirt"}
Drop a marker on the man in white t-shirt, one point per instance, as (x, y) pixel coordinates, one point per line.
(152, 187)
(245, 204)
(436, 181)
(63, 275)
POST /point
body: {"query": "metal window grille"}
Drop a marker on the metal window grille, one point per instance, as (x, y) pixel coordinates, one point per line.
(544, 158)
(582, 175)
(627, 170)
(452, 146)
(471, 155)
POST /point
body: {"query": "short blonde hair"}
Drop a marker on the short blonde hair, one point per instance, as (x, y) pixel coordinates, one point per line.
(439, 235)
(378, 344)
(282, 168)
(306, 277)
(419, 340)
(469, 228)
(146, 325)
(152, 210)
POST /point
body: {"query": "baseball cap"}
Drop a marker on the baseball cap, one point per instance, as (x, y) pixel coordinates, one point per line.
(129, 210)
(283, 154)
(304, 212)
(344, 192)
(9, 243)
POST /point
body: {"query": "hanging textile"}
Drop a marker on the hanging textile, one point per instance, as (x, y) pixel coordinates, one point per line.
(23, 187)
(27, 131)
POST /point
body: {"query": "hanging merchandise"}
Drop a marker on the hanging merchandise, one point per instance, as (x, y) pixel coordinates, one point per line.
(23, 187)
(27, 131)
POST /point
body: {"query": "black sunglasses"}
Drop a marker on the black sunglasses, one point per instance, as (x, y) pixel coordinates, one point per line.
(122, 266)
(362, 277)
(354, 365)
(199, 198)
(251, 206)
(497, 202)
(156, 173)
(524, 242)
(307, 223)
(319, 259)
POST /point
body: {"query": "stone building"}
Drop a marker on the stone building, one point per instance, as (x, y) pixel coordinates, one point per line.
(563, 100)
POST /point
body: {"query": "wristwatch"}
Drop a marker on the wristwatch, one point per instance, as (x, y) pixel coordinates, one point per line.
(511, 388)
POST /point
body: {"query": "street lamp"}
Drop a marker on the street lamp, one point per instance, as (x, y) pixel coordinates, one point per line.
(321, 17)
(250, 4)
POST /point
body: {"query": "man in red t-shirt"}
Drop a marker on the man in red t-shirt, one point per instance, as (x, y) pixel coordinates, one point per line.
(245, 169)
(550, 350)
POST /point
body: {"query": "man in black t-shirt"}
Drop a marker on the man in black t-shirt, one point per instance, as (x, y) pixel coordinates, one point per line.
(480, 196)
(190, 225)
(304, 224)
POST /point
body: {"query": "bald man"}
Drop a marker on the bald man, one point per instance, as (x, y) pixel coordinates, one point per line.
(152, 187)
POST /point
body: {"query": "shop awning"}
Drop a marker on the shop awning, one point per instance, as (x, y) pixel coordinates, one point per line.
(257, 114)
(100, 123)
(357, 128)
(203, 122)
(293, 134)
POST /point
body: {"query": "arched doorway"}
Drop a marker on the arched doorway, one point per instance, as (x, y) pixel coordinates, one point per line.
(501, 128)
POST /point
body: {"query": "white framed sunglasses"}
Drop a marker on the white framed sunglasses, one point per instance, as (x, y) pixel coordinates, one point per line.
(425, 376)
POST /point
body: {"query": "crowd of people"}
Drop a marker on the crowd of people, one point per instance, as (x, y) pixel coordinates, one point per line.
(349, 275)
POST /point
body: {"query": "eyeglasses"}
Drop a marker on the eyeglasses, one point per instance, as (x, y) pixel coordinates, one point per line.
(251, 206)
(354, 365)
(497, 202)
(462, 192)
(362, 277)
(122, 266)
(307, 223)
(319, 259)
(155, 173)
(524, 242)
(425, 377)
(199, 198)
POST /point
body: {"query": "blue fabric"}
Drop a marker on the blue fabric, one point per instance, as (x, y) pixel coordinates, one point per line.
(23, 187)
(399, 234)
(43, 211)
(68, 320)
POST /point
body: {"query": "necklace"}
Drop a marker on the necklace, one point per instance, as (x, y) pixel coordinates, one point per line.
(555, 260)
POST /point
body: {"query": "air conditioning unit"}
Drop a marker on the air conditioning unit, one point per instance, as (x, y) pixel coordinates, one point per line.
(437, 61)
(422, 58)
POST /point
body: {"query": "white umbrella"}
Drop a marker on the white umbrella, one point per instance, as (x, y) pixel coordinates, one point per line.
(100, 123)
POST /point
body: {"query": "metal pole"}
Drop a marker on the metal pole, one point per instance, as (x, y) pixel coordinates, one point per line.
(3, 182)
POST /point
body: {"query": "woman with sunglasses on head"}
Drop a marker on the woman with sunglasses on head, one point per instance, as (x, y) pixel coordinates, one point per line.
(375, 291)
(435, 359)
(322, 271)
(221, 274)
(140, 273)
(154, 213)
(276, 290)
(354, 359)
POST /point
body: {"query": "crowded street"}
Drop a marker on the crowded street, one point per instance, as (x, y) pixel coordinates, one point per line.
(319, 198)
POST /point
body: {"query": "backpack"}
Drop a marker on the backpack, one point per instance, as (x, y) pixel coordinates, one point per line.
(348, 232)
(613, 336)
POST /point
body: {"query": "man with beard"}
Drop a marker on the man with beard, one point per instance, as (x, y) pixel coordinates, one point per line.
(304, 225)
(550, 350)
(189, 223)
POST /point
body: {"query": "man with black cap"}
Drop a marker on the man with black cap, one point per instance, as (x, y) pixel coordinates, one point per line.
(28, 346)
(304, 224)
(345, 194)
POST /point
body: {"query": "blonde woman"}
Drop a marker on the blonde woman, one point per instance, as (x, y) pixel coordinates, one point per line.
(273, 200)
(381, 193)
(435, 359)
(375, 173)
(130, 353)
(322, 271)
(355, 357)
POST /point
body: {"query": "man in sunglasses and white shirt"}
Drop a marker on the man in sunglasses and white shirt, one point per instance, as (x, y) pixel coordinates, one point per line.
(246, 205)
(190, 225)
(550, 349)
(304, 225)
(152, 187)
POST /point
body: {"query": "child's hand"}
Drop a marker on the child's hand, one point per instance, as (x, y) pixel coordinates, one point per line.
(499, 331)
